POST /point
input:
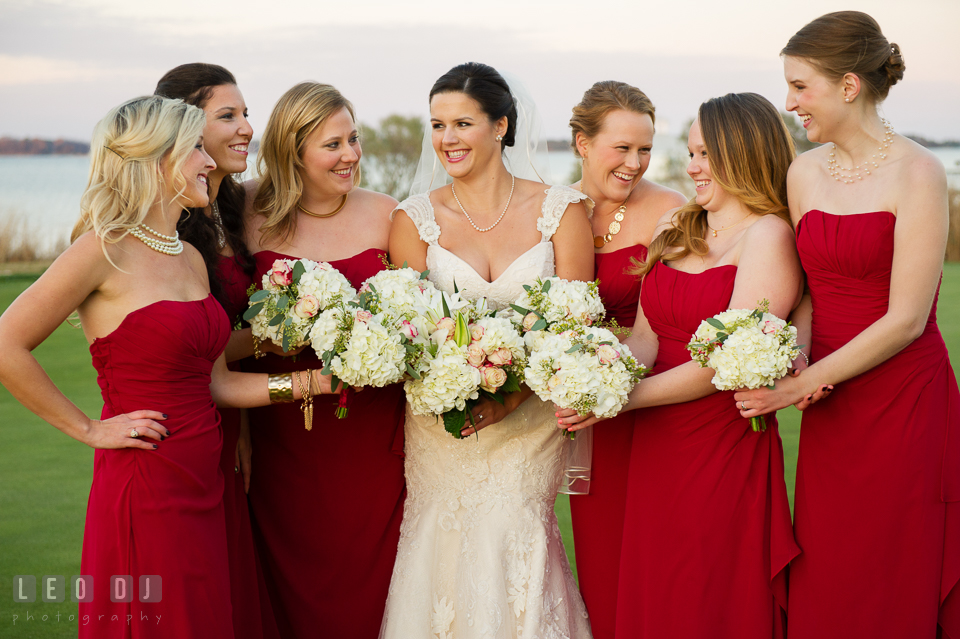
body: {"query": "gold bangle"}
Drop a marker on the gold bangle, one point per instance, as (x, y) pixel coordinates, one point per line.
(307, 406)
(280, 386)
(256, 348)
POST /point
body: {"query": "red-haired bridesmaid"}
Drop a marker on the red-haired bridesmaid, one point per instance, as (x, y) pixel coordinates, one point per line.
(878, 476)
(613, 134)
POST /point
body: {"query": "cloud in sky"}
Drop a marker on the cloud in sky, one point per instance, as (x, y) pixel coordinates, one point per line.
(63, 64)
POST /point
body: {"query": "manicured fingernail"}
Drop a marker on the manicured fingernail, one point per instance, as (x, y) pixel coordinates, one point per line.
(155, 447)
(165, 416)
(168, 433)
(162, 438)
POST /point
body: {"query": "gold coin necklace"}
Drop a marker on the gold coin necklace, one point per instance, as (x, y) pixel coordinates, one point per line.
(600, 240)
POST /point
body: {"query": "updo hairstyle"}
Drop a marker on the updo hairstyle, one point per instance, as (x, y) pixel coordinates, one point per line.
(487, 88)
(850, 42)
(126, 151)
(601, 99)
(750, 150)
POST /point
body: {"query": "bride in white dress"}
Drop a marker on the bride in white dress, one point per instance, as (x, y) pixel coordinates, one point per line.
(480, 553)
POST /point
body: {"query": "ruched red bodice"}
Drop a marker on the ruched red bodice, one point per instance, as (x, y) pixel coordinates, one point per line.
(159, 512)
(598, 516)
(878, 475)
(327, 503)
(619, 289)
(707, 529)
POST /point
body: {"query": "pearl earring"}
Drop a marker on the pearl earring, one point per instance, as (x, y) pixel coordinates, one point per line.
(846, 99)
(499, 138)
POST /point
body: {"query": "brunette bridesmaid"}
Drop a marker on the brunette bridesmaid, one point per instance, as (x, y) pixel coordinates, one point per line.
(328, 501)
(707, 534)
(217, 232)
(878, 475)
(613, 134)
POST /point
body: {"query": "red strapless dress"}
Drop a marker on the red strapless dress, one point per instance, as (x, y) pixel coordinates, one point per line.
(160, 512)
(327, 503)
(252, 615)
(598, 516)
(707, 533)
(878, 474)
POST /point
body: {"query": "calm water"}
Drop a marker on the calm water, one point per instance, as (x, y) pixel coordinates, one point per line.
(45, 191)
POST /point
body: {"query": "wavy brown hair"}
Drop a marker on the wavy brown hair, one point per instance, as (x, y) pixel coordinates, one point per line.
(298, 113)
(601, 99)
(750, 150)
(850, 42)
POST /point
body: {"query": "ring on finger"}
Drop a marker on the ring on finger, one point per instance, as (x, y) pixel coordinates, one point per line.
(134, 433)
(742, 407)
(480, 418)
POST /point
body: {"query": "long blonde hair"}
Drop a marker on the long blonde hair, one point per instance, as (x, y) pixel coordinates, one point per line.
(128, 146)
(750, 151)
(298, 113)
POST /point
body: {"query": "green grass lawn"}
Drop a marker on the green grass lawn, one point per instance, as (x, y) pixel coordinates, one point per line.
(45, 476)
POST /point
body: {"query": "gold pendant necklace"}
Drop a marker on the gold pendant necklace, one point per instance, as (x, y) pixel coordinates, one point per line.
(715, 231)
(343, 202)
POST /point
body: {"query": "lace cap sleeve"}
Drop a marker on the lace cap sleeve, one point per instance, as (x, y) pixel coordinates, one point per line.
(554, 206)
(419, 209)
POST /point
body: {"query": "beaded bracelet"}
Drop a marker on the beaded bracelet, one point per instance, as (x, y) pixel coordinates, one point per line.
(805, 358)
(257, 354)
(280, 386)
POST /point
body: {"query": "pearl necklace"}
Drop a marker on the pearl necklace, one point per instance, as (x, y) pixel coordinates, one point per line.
(513, 183)
(847, 176)
(167, 244)
(218, 222)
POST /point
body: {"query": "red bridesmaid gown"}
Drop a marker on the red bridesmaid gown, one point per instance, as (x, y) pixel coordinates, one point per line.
(160, 512)
(327, 503)
(878, 474)
(598, 516)
(252, 614)
(707, 533)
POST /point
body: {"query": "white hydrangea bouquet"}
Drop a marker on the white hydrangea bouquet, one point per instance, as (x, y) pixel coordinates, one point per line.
(460, 352)
(365, 341)
(584, 368)
(556, 305)
(293, 293)
(746, 349)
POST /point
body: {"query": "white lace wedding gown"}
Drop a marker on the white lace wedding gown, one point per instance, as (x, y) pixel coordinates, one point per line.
(480, 553)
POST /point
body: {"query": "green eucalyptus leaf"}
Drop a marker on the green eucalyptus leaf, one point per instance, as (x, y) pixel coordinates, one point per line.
(252, 312)
(260, 296)
(714, 322)
(546, 286)
(413, 372)
(276, 320)
(539, 325)
(298, 270)
(283, 301)
(523, 311)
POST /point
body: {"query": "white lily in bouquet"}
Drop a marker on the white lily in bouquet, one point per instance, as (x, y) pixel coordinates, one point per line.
(293, 293)
(461, 352)
(746, 349)
(584, 368)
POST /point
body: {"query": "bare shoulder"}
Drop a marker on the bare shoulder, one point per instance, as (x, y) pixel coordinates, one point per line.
(770, 229)
(919, 163)
(378, 203)
(659, 196)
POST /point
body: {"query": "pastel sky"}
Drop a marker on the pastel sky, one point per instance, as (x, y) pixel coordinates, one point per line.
(63, 63)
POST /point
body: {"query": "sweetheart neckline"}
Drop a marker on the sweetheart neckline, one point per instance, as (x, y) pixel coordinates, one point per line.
(475, 272)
